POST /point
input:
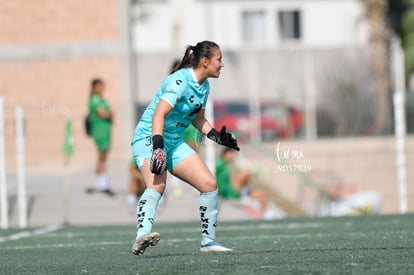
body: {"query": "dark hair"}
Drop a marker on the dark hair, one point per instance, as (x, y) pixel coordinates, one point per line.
(225, 150)
(95, 82)
(174, 66)
(193, 54)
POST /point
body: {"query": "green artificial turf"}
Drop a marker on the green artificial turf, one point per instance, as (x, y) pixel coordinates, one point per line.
(346, 245)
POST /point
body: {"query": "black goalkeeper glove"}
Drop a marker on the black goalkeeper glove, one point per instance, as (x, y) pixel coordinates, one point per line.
(158, 163)
(223, 138)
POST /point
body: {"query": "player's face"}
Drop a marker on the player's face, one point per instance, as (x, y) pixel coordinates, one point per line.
(215, 64)
(230, 155)
(99, 87)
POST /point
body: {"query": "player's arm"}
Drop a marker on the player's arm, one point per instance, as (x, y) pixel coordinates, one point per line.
(101, 112)
(201, 123)
(222, 137)
(96, 106)
(162, 110)
(158, 162)
(174, 88)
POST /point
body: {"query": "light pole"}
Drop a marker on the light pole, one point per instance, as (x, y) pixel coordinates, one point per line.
(128, 72)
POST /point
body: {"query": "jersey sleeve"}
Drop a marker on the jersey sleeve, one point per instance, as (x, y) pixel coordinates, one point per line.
(98, 103)
(94, 103)
(173, 88)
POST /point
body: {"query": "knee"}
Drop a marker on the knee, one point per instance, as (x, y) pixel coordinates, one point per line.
(210, 184)
(258, 194)
(244, 175)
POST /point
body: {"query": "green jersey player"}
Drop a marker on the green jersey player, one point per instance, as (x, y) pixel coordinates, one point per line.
(100, 116)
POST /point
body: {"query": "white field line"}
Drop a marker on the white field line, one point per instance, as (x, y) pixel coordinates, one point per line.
(270, 226)
(255, 227)
(61, 245)
(165, 241)
(28, 234)
(52, 228)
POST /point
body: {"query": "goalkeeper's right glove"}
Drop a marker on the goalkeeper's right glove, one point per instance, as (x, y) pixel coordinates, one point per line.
(158, 163)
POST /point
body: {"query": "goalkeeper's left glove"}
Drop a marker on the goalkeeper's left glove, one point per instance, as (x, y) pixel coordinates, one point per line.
(223, 138)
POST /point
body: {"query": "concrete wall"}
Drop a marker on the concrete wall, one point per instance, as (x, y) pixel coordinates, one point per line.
(49, 52)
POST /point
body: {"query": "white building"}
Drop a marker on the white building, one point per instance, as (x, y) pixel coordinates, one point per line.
(298, 52)
(236, 24)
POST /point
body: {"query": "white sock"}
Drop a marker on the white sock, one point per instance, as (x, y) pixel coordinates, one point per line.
(132, 200)
(146, 210)
(244, 192)
(102, 182)
(208, 215)
(269, 215)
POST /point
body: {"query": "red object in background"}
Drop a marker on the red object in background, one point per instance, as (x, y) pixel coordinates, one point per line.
(276, 120)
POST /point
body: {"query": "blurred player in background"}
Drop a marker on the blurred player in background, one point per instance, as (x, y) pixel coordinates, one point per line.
(136, 184)
(234, 182)
(100, 116)
(158, 144)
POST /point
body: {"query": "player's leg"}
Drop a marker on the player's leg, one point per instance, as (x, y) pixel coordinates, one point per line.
(147, 205)
(139, 183)
(259, 195)
(147, 208)
(102, 179)
(103, 182)
(136, 186)
(240, 180)
(192, 169)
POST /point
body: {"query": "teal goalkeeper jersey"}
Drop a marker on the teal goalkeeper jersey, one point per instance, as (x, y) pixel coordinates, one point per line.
(182, 91)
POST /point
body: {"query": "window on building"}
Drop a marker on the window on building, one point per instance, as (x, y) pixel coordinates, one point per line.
(290, 25)
(254, 29)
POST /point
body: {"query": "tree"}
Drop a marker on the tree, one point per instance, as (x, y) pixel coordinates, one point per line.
(379, 41)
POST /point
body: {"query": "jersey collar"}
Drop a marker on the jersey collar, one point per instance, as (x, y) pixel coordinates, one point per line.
(194, 77)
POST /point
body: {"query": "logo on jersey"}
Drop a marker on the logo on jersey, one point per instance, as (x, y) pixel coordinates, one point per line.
(170, 91)
(178, 81)
(196, 109)
(191, 99)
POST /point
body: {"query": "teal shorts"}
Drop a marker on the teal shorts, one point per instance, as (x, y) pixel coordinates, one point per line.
(176, 152)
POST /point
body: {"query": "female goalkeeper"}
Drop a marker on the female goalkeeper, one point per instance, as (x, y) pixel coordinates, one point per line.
(158, 144)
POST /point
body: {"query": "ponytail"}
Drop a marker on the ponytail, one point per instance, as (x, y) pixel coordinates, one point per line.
(186, 62)
(193, 54)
